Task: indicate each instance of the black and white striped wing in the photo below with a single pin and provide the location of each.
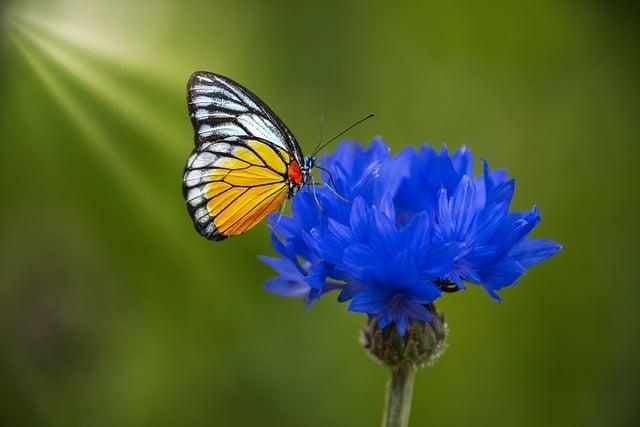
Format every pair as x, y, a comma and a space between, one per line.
220, 108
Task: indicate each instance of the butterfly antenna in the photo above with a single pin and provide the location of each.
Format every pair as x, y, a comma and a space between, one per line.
321, 133
320, 147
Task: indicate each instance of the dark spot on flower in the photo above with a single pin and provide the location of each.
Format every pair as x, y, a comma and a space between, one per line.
446, 285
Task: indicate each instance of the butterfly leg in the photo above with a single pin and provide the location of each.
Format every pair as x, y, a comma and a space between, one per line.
332, 187
313, 193
283, 206
338, 195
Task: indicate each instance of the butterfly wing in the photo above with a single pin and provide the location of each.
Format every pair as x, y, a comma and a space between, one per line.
220, 107
237, 173
232, 184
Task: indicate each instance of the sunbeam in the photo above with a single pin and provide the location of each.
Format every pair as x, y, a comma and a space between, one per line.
144, 116
142, 198
96, 26
97, 139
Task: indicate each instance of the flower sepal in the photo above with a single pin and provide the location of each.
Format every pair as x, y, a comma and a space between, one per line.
421, 345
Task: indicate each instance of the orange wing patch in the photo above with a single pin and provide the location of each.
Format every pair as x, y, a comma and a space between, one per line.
249, 208
230, 186
272, 155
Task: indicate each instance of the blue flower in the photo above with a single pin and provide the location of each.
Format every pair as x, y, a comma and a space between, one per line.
395, 266
387, 232
474, 213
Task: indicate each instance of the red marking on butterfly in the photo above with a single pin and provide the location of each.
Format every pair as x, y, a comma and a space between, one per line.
294, 174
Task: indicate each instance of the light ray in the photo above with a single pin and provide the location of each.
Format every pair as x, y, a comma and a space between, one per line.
122, 170
144, 116
97, 140
76, 23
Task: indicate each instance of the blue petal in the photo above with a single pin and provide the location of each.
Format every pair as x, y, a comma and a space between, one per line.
462, 161
470, 273
449, 176
489, 222
522, 227
377, 148
488, 178
425, 293
285, 226
312, 240
330, 243
463, 207
396, 170
502, 273
402, 270
402, 324
277, 244
385, 320
483, 255
311, 298
413, 310
358, 219
283, 266
492, 292
304, 208
418, 233
428, 165
317, 276
287, 288
370, 300
352, 287
503, 192
387, 208
530, 252
445, 227
384, 236
362, 260
439, 259
340, 233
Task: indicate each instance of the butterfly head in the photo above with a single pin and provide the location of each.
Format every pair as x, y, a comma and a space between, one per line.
299, 175
308, 164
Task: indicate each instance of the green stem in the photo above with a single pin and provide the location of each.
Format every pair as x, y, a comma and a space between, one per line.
399, 393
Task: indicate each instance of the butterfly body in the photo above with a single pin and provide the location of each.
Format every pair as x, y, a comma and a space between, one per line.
245, 163
299, 175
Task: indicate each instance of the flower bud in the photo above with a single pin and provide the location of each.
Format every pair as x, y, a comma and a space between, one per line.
422, 344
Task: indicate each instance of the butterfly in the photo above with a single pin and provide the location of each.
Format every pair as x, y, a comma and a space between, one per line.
245, 163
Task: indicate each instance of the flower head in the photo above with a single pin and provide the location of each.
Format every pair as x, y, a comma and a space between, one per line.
474, 213
388, 231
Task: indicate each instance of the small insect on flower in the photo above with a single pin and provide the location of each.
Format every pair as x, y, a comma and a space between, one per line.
245, 163
446, 285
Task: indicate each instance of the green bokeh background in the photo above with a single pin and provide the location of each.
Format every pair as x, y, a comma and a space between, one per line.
113, 311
